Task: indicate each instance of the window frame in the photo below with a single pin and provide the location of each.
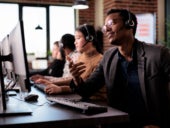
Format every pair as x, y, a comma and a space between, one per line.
47, 6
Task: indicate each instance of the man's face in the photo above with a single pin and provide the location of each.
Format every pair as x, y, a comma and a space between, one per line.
114, 29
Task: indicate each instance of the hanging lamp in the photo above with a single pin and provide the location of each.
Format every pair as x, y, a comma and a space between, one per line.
80, 4
38, 27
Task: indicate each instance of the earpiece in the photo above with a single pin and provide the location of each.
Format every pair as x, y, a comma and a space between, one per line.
129, 23
89, 38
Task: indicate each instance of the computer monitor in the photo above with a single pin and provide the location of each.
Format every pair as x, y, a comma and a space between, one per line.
20, 68
3, 67
7, 66
19, 57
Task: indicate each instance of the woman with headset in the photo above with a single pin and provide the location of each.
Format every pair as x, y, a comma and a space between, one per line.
89, 44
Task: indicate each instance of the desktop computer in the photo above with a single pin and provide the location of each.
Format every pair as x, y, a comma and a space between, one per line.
13, 51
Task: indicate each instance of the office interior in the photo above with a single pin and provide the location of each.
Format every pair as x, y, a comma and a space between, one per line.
157, 10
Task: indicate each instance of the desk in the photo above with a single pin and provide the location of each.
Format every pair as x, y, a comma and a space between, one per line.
46, 115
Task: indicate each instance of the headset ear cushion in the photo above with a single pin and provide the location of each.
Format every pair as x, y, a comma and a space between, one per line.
129, 24
89, 38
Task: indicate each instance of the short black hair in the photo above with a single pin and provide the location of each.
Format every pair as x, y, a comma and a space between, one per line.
68, 41
126, 15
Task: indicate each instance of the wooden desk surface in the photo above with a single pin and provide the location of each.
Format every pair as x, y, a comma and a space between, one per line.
47, 115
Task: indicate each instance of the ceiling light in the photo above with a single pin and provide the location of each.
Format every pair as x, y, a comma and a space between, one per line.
80, 4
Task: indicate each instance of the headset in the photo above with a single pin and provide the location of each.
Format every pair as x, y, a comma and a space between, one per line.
129, 23
89, 38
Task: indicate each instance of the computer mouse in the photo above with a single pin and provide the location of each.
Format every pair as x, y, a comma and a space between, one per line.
31, 97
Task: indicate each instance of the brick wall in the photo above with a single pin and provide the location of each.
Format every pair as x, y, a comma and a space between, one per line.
135, 6
87, 15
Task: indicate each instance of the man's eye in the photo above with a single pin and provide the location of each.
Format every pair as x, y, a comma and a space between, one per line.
114, 22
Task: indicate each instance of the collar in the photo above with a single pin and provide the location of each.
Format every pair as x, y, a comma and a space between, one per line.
133, 54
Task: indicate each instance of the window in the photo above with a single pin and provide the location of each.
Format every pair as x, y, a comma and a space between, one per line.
9, 18
35, 38
61, 22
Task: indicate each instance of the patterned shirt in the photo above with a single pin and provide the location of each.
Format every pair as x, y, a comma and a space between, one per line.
74, 56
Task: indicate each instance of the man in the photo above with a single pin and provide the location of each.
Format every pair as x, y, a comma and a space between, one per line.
136, 74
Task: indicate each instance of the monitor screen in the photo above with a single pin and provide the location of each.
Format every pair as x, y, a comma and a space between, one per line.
19, 58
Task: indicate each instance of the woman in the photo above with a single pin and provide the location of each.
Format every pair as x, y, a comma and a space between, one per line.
56, 67
87, 44
67, 43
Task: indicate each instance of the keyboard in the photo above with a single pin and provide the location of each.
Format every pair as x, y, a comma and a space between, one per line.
83, 107
40, 87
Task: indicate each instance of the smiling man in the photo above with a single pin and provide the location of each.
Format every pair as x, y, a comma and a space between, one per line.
136, 74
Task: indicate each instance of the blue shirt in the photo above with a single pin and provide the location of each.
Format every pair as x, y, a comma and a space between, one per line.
133, 99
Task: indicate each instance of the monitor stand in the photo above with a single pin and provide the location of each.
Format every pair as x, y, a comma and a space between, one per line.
8, 105
15, 107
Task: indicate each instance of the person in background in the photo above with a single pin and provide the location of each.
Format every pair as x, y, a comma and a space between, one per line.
67, 42
57, 65
86, 42
136, 74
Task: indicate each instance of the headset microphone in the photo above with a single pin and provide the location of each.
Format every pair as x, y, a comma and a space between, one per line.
89, 37
84, 44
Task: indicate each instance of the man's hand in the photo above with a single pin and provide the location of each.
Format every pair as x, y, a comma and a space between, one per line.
76, 70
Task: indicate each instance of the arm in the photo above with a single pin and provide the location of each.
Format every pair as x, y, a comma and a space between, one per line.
165, 64
165, 67
59, 80
91, 85
55, 89
56, 68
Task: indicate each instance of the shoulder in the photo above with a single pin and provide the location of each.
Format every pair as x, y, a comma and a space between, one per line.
98, 58
151, 49
99, 55
75, 53
110, 51
74, 56
153, 53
